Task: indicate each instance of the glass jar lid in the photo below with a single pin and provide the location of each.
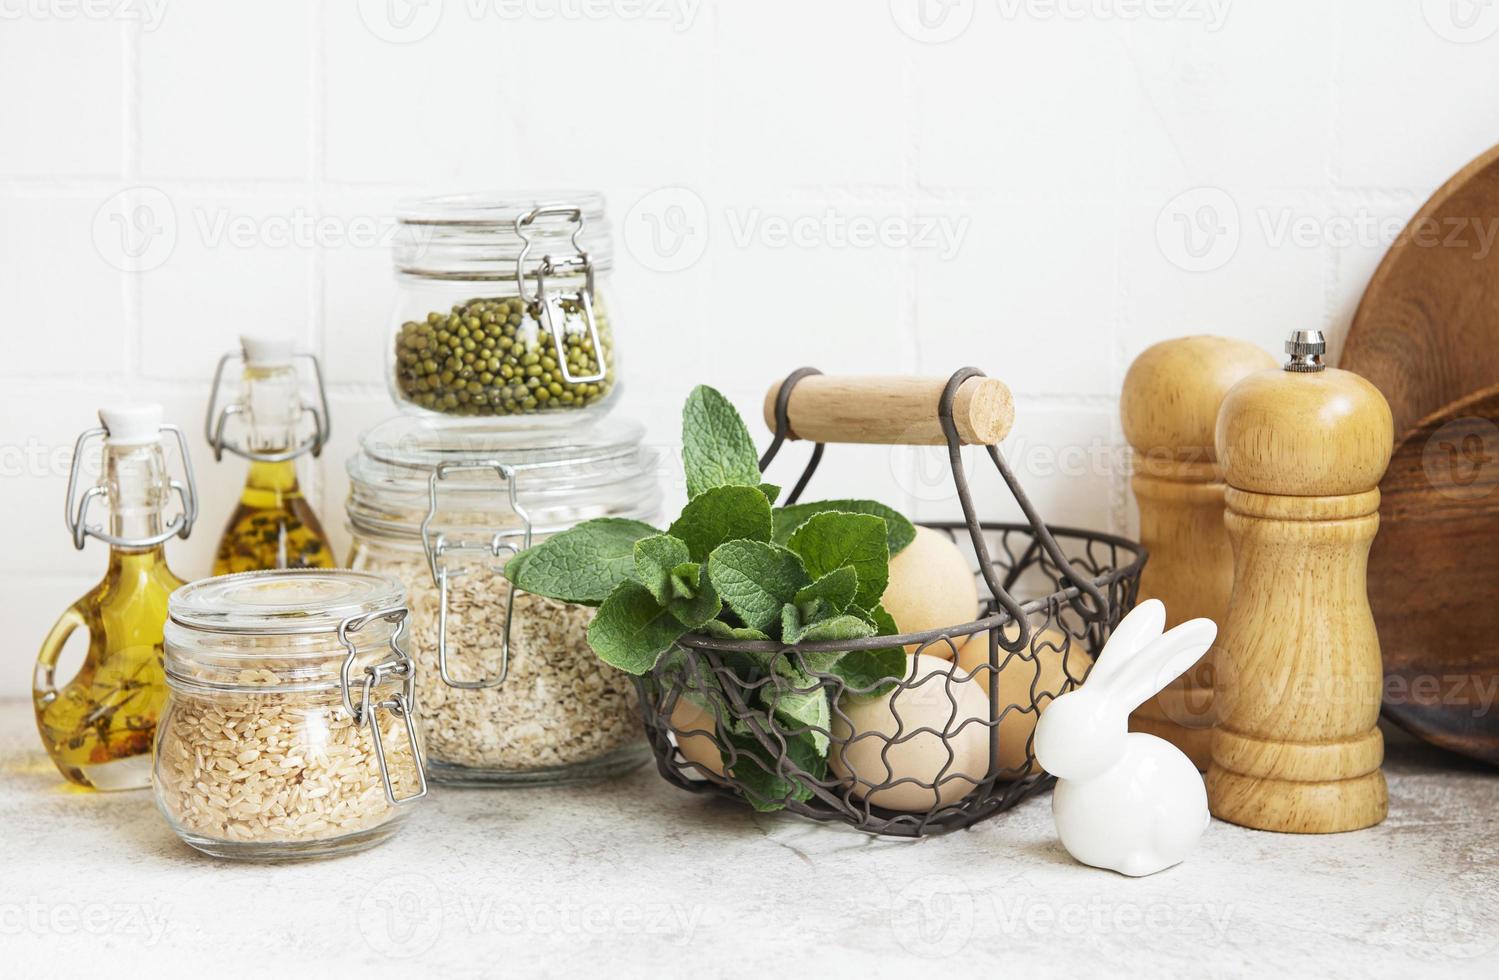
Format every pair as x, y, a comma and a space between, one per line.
478, 236
289, 629
561, 477
285, 602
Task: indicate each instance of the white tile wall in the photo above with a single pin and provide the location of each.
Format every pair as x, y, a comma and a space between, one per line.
1109, 174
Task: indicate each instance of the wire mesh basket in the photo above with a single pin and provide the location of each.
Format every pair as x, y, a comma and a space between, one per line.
945, 746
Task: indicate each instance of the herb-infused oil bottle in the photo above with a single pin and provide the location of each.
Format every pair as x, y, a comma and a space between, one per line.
274, 526
99, 726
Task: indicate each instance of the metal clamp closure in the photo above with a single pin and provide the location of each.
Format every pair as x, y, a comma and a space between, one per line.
77, 520
217, 420
402, 703
553, 303
439, 546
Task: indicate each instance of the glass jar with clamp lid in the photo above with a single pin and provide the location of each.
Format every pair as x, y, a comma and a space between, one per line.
501, 311
511, 692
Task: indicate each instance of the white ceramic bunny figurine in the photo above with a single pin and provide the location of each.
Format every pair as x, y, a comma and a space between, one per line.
1126, 801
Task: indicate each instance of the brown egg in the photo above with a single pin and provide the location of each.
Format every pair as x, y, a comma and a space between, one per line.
931, 586
1016, 677
873, 744
694, 729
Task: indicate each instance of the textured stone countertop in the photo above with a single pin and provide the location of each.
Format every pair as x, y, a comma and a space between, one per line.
636, 878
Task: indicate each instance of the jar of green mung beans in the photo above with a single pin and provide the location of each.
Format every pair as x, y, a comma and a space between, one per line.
502, 310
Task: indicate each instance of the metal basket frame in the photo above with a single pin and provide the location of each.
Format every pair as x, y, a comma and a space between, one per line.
1085, 604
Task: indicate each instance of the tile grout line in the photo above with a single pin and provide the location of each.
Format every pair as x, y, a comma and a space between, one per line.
702, 349
47, 188
910, 272
130, 167
1332, 269
1119, 496
316, 329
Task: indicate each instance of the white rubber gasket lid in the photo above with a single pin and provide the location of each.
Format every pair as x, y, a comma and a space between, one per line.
267, 352
131, 425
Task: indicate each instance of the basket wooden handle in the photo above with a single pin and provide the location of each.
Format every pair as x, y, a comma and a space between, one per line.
892, 410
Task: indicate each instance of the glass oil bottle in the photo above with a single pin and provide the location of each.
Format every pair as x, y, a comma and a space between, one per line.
274, 526
98, 728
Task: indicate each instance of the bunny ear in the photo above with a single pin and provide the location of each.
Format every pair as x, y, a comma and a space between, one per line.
1161, 662
1135, 631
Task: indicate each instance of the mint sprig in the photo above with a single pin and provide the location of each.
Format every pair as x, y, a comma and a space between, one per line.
583, 564
835, 539
719, 515
717, 450
632, 630
734, 567
756, 579
899, 532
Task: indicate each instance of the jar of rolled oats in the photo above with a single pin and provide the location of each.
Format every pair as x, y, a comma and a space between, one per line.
290, 727
511, 693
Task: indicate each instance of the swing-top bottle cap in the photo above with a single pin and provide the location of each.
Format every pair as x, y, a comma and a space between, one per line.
131, 425
267, 352
1306, 348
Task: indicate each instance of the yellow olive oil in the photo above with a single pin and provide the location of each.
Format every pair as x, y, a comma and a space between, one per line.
273, 526
99, 726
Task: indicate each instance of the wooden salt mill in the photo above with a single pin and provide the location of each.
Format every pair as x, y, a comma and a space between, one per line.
1298, 674
1169, 406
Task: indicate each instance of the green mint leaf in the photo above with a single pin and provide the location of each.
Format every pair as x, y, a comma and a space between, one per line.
829, 541
723, 631
836, 588
631, 630
821, 626
701, 603
756, 579
685, 579
791, 623
716, 447
874, 671
701, 687
899, 531
747, 666
796, 617
656, 558
801, 703
583, 564
722, 514
766, 785
821, 629
843, 627
771, 491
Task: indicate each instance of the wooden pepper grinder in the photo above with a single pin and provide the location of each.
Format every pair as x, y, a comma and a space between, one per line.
1168, 407
1298, 673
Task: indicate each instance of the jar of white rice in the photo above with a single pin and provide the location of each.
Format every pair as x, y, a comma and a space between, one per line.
511, 693
290, 727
